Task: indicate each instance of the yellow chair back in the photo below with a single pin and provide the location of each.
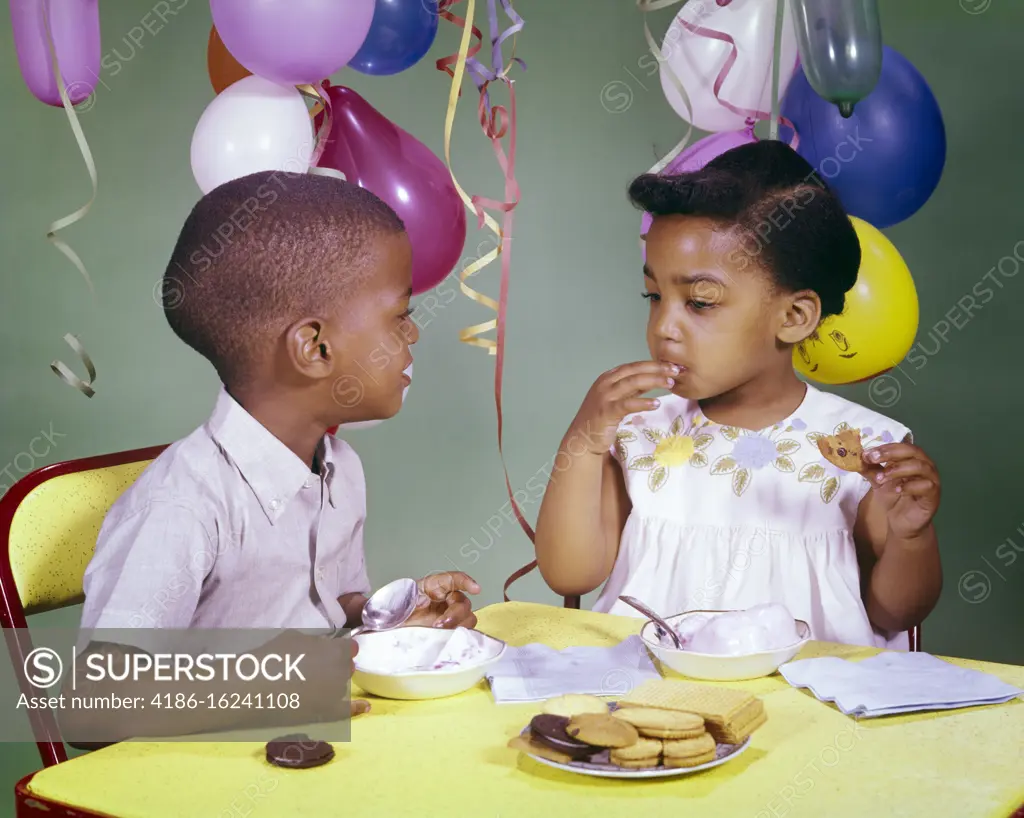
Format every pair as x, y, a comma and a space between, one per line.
53, 533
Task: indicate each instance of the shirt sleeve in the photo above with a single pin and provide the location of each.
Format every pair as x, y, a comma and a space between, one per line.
147, 572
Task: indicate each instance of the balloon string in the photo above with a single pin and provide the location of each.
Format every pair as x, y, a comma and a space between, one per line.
780, 14
60, 369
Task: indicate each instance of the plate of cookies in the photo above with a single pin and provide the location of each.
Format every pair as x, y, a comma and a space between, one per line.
585, 735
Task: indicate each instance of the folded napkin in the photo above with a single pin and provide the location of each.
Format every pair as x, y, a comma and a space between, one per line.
896, 682
537, 672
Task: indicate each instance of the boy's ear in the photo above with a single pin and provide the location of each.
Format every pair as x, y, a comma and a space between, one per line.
308, 347
800, 318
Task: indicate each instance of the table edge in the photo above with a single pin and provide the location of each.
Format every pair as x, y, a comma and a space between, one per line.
27, 804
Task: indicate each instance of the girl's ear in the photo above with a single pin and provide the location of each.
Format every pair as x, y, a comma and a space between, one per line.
800, 318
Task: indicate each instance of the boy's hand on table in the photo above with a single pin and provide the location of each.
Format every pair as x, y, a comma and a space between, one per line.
443, 602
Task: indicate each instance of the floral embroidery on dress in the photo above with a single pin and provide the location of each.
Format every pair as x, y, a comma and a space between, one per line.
829, 475
672, 449
755, 450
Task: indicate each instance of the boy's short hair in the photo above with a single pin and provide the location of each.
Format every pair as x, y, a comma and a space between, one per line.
259, 252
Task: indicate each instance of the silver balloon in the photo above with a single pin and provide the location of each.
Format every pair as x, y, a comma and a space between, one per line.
840, 44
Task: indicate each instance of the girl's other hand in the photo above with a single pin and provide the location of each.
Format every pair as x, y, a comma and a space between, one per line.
907, 482
614, 395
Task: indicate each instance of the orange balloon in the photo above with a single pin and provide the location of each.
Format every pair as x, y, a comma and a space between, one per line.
224, 69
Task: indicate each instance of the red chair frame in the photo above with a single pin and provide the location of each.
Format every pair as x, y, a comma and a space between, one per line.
12, 612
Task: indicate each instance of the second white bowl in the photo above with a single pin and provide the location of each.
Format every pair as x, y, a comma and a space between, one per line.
717, 667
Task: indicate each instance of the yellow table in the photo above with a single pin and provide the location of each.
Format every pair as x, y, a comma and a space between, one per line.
448, 758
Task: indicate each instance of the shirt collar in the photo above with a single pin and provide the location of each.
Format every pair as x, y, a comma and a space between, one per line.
272, 470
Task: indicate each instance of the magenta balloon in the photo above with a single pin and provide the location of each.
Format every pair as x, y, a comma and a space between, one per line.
75, 27
697, 156
293, 42
376, 154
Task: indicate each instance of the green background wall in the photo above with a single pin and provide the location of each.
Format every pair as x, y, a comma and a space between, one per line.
434, 474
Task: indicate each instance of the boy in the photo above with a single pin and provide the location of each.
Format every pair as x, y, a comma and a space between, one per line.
296, 288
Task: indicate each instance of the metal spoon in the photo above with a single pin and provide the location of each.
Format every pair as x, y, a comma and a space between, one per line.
390, 607
633, 602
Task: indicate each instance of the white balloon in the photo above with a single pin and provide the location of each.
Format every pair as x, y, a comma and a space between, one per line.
698, 59
253, 125
369, 424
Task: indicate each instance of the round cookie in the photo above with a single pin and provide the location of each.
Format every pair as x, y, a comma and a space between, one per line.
667, 724
549, 730
692, 761
843, 450
689, 752
602, 730
645, 753
637, 764
298, 752
573, 704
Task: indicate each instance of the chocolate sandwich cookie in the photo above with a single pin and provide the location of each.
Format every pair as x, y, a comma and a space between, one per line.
549, 730
298, 752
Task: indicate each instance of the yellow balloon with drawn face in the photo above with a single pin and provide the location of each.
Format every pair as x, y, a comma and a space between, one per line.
878, 325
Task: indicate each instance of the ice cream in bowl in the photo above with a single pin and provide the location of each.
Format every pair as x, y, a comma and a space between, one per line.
423, 663
728, 645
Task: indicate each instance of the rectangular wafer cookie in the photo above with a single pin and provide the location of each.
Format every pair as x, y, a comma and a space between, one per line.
728, 714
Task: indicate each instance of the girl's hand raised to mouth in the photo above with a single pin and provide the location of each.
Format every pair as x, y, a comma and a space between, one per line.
614, 395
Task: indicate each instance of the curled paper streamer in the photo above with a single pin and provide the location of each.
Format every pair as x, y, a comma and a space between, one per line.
495, 122
317, 92
445, 63
69, 377
59, 368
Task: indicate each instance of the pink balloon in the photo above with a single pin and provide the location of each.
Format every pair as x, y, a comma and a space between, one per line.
293, 42
697, 156
75, 28
376, 154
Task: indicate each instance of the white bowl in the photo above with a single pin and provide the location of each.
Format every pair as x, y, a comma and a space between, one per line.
717, 667
377, 651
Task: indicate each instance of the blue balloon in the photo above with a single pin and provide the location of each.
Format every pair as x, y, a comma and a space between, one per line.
402, 31
885, 161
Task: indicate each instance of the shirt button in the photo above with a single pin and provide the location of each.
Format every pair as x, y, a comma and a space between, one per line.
275, 504
310, 482
320, 574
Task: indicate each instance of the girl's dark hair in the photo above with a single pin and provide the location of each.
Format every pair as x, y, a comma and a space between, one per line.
790, 222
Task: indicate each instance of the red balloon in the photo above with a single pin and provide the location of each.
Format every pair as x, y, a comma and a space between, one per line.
377, 155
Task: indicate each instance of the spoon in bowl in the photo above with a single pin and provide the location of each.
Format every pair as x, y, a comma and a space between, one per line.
633, 602
390, 607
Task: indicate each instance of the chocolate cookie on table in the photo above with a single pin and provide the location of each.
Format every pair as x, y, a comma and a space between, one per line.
298, 752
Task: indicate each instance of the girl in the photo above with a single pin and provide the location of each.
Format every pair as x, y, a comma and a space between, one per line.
716, 496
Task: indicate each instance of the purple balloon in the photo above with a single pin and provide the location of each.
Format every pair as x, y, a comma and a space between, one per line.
75, 28
376, 154
697, 156
293, 42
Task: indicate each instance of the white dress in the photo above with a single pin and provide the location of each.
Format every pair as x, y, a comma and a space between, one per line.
725, 518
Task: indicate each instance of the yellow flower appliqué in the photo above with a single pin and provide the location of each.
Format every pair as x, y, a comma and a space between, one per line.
672, 449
